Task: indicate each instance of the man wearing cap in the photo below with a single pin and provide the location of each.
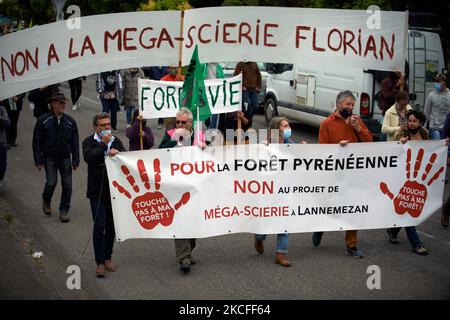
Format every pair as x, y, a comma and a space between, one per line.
437, 106
55, 146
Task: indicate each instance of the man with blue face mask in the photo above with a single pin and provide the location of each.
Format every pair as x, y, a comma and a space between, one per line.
95, 148
437, 106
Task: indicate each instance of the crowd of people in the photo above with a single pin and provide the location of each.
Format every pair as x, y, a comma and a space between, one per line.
56, 142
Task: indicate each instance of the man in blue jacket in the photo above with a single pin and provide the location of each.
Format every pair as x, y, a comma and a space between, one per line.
55, 146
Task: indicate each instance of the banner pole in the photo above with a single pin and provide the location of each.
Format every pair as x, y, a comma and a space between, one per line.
198, 125
140, 134
180, 49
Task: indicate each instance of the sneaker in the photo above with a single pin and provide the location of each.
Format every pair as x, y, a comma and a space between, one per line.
420, 250
185, 265
64, 216
78, 104
74, 107
391, 237
115, 130
317, 238
159, 126
46, 207
355, 252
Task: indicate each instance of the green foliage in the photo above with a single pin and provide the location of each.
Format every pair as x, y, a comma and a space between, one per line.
160, 5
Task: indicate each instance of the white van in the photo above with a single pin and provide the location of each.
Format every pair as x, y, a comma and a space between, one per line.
308, 94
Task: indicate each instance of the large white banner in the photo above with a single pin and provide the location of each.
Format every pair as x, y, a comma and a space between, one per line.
64, 50
191, 193
161, 99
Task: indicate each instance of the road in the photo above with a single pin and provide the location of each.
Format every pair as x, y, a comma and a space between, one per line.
228, 266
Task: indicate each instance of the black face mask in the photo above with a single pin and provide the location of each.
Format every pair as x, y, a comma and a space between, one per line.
414, 131
345, 113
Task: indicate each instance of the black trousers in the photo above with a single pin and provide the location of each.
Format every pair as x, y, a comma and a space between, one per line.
75, 89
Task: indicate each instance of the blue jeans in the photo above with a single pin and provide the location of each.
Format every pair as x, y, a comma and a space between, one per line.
3, 158
111, 105
282, 241
104, 232
412, 235
64, 166
129, 113
251, 97
436, 134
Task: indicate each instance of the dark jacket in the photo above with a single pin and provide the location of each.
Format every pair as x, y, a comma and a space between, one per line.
40, 99
18, 104
135, 140
56, 141
94, 155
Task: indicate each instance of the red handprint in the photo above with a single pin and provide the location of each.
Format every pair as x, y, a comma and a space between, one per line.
153, 207
412, 196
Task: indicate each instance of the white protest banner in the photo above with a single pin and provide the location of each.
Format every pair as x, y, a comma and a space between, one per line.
54, 52
160, 99
189, 193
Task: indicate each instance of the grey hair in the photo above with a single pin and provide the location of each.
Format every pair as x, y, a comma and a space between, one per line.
344, 95
185, 111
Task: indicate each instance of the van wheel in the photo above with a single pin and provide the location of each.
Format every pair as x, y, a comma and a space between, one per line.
270, 109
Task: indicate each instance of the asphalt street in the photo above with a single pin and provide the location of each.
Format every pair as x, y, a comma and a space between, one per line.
228, 266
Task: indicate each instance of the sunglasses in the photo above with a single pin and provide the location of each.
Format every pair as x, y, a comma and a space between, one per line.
181, 122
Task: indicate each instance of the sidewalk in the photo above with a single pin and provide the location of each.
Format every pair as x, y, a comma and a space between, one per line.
21, 276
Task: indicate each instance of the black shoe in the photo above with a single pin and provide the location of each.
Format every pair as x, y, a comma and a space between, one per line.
14, 144
46, 207
391, 237
317, 238
185, 265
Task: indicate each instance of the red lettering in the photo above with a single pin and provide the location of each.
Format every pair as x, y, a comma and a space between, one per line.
151, 40
329, 40
371, 46
316, 48
118, 35
21, 72
348, 43
385, 44
298, 36
165, 36
269, 35
190, 38
226, 33
71, 54
35, 62
200, 38
126, 39
52, 54
87, 44
9, 65
243, 34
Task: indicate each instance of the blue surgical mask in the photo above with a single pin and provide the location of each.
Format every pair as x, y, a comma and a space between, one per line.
437, 86
105, 132
287, 133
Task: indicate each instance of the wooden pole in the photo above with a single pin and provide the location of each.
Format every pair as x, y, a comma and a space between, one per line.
140, 134
180, 49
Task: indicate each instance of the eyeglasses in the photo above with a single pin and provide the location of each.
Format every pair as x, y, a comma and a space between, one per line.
181, 122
